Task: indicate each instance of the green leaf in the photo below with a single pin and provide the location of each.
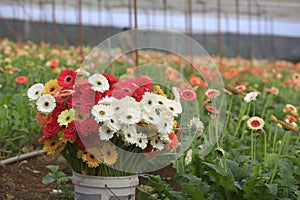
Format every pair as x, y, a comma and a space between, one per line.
257, 170
237, 172
193, 191
272, 188
295, 160
53, 168
217, 168
270, 157
190, 179
178, 195
48, 179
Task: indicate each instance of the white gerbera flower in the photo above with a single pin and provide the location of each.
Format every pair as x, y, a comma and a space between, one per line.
196, 126
102, 112
173, 107
151, 117
141, 140
176, 94
165, 138
105, 133
113, 123
107, 101
129, 111
46, 103
166, 123
148, 101
35, 91
99, 82
251, 96
130, 134
157, 143
188, 157
160, 100
65, 117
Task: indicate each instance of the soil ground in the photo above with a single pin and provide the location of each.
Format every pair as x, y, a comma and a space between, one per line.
23, 180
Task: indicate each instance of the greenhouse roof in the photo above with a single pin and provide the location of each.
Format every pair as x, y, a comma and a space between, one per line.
288, 10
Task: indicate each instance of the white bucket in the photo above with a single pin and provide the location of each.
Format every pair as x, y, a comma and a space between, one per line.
104, 188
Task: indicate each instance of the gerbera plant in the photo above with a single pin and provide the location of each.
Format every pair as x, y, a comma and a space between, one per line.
100, 123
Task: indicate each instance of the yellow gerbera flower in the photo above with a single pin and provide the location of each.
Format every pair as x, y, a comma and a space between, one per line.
92, 160
52, 87
81, 115
109, 154
80, 153
53, 145
65, 117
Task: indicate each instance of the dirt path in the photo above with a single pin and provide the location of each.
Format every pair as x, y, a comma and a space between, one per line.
23, 180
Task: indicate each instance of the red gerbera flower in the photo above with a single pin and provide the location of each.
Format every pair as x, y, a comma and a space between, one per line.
57, 110
43, 119
173, 142
138, 94
188, 95
66, 78
143, 82
111, 79
210, 93
79, 143
87, 127
212, 109
51, 128
70, 131
21, 79
255, 123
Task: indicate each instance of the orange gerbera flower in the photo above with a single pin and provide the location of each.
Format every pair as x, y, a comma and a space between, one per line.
21, 79
52, 87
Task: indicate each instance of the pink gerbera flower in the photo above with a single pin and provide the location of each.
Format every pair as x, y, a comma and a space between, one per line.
255, 123
66, 78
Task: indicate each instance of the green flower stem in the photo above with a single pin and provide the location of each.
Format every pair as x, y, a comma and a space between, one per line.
286, 144
226, 121
278, 157
265, 149
244, 126
270, 135
252, 146
242, 112
253, 109
298, 138
266, 104
274, 139
254, 150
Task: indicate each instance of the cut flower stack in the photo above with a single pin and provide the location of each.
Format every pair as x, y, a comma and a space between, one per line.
91, 118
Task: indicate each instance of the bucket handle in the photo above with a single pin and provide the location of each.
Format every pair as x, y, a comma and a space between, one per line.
129, 196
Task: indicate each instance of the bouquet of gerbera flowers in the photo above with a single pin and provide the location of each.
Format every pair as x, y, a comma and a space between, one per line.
102, 125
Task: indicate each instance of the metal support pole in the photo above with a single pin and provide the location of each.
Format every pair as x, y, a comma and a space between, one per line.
219, 32
53, 23
259, 46
272, 37
41, 24
204, 25
190, 11
266, 38
237, 10
10, 28
165, 13
99, 20
80, 32
130, 14
250, 54
136, 34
